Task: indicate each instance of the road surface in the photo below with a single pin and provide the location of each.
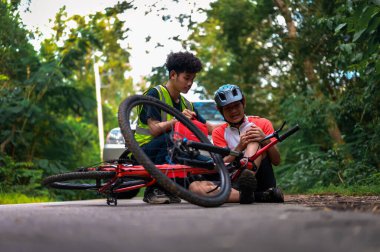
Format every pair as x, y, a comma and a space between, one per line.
136, 226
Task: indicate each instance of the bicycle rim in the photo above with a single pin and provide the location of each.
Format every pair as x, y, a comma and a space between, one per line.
127, 109
82, 180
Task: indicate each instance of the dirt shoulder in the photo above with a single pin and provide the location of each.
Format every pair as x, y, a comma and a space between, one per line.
370, 204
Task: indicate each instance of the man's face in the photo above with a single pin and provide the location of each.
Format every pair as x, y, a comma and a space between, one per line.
234, 112
183, 81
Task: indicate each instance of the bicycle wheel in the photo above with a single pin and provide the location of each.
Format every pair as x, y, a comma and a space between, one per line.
75, 180
128, 110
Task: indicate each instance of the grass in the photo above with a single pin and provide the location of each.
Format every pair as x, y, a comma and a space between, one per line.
19, 198
343, 190
141, 193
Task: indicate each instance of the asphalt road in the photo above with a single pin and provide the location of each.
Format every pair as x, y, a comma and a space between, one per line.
136, 226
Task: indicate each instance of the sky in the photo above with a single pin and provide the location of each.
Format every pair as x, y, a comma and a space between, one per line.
42, 14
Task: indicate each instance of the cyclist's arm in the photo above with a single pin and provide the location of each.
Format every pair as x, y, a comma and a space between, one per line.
274, 155
157, 128
272, 152
229, 158
242, 145
211, 127
259, 133
218, 140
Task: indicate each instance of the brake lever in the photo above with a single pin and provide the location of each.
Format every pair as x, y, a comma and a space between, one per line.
267, 137
274, 134
282, 126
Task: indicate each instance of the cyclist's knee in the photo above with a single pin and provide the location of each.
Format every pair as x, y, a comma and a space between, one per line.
201, 187
196, 186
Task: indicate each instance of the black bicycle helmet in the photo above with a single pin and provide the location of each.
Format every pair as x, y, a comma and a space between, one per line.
226, 94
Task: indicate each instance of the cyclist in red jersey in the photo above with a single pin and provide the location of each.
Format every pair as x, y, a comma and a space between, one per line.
244, 133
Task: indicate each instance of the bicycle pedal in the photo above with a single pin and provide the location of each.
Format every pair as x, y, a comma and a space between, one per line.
111, 201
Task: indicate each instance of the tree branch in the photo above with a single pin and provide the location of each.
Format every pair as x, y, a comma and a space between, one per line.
284, 10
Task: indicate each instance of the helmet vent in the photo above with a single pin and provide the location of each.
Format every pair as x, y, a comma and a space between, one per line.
222, 97
234, 92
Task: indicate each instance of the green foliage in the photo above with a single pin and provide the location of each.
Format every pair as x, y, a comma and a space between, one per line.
48, 118
230, 44
93, 38
354, 104
20, 177
325, 77
19, 198
347, 190
15, 51
159, 76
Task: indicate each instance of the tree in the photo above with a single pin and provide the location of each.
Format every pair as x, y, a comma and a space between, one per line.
96, 37
294, 60
47, 107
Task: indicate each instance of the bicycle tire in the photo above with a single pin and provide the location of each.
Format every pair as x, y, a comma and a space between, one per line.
124, 118
67, 180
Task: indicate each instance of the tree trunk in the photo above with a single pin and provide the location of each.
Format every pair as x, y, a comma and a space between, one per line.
284, 10
332, 125
308, 65
4, 144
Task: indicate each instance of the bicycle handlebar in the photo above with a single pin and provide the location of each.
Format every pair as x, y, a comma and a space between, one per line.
211, 148
289, 133
226, 151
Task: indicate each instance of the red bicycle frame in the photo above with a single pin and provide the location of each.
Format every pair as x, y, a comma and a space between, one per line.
174, 171
178, 171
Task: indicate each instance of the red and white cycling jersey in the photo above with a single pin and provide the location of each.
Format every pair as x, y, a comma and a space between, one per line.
227, 136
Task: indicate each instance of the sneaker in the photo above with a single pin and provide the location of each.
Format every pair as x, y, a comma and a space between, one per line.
247, 185
154, 195
272, 195
174, 199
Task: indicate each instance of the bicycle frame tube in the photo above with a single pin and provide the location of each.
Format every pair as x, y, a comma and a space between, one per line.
275, 141
262, 150
173, 171
128, 188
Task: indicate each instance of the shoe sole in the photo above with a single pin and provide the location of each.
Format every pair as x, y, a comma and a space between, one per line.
247, 185
175, 201
157, 201
278, 195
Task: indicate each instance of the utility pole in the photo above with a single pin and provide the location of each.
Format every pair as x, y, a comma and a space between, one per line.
99, 105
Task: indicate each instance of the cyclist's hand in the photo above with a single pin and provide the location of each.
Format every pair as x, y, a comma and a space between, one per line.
189, 114
255, 134
245, 138
244, 141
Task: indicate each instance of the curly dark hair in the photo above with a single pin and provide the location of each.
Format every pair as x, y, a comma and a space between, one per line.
183, 62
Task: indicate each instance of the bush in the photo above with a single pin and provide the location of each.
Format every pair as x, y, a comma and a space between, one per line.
20, 177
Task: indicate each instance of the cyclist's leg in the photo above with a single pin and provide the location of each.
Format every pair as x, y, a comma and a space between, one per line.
251, 150
206, 188
157, 149
265, 175
267, 189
